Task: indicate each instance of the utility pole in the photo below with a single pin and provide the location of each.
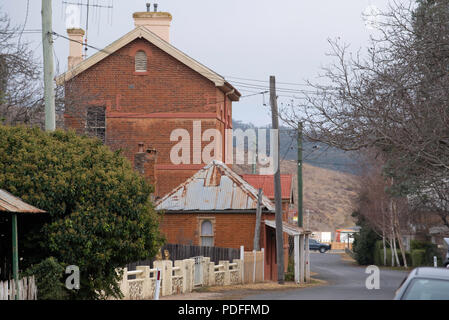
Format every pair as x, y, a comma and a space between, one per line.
258, 220
300, 184
47, 43
277, 185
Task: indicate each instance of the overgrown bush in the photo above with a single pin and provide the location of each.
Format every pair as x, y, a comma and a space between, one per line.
99, 215
418, 257
49, 279
430, 249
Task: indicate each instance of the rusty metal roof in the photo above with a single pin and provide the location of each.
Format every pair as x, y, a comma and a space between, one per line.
213, 188
9, 203
266, 182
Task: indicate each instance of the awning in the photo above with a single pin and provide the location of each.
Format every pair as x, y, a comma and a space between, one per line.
288, 228
9, 203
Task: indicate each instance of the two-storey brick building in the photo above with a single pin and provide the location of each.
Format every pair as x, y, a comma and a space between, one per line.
138, 90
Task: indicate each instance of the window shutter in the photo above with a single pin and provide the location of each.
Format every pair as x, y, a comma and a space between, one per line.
141, 61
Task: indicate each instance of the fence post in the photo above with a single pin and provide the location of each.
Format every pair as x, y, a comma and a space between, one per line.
307, 259
147, 289
227, 274
263, 264
182, 266
296, 257
205, 266
189, 263
124, 286
254, 266
166, 276
242, 257
211, 273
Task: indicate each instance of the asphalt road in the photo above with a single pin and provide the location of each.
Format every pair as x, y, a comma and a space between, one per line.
345, 282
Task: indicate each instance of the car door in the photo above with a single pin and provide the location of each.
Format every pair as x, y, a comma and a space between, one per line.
313, 244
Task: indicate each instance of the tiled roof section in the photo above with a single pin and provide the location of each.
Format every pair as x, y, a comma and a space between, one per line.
266, 182
213, 188
9, 203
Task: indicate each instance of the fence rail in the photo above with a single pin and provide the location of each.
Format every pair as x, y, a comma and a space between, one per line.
27, 289
181, 252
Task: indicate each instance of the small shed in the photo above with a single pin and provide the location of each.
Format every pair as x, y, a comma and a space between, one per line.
14, 206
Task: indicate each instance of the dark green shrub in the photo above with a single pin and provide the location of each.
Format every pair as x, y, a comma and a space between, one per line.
431, 250
99, 213
49, 279
364, 246
418, 257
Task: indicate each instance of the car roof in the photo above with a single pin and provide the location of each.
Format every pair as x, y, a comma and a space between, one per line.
440, 273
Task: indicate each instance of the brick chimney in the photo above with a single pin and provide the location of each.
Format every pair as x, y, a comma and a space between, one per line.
75, 47
144, 163
156, 22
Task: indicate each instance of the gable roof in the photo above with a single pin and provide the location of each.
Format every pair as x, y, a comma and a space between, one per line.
9, 203
213, 188
144, 33
266, 182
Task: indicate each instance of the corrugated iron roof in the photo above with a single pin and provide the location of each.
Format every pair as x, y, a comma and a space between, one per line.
215, 187
266, 182
288, 228
9, 203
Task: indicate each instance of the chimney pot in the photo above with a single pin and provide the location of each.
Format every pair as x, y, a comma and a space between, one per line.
156, 22
155, 7
75, 47
148, 7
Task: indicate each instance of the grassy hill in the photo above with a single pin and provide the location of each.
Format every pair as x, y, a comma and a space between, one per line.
316, 154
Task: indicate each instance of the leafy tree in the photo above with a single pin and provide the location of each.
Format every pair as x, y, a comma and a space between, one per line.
99, 212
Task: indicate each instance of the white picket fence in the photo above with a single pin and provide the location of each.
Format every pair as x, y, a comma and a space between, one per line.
27, 289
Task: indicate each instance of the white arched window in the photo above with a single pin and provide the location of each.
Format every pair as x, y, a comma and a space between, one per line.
141, 61
207, 234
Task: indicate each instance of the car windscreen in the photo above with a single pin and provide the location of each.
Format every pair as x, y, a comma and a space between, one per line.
427, 289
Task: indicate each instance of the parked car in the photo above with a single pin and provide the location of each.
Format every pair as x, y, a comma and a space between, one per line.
314, 245
425, 284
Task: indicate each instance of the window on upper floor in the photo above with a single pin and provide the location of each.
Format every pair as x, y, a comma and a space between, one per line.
96, 122
141, 61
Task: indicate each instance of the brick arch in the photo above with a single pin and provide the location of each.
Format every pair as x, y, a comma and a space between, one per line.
140, 46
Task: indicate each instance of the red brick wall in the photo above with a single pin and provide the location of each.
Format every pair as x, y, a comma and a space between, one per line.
146, 108
231, 230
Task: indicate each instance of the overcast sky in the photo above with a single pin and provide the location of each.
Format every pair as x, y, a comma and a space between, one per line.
244, 39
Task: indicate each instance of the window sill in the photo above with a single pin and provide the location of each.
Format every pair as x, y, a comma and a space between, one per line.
141, 73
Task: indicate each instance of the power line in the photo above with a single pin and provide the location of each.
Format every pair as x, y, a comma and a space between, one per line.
80, 42
266, 81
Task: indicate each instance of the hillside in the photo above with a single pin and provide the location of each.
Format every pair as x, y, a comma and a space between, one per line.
314, 153
329, 195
